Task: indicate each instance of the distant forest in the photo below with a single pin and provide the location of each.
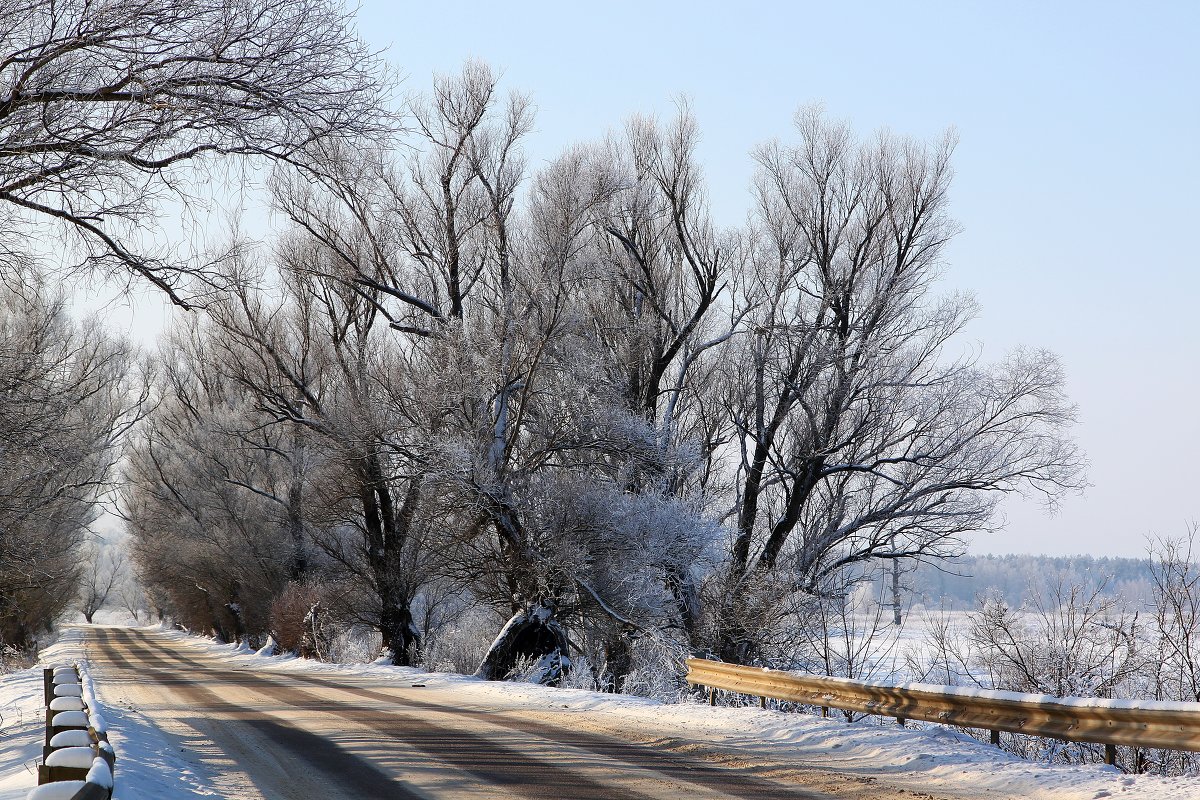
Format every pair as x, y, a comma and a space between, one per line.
958, 584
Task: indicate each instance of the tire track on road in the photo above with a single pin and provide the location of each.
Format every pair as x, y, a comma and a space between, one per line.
711, 779
496, 764
356, 775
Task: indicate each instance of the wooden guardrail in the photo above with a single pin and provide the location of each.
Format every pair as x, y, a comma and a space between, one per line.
77, 760
1164, 725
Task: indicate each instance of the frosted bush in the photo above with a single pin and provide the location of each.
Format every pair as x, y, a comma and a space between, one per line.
460, 647
354, 646
581, 675
658, 667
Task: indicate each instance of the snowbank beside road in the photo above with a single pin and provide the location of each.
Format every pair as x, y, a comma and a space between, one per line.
23, 717
148, 767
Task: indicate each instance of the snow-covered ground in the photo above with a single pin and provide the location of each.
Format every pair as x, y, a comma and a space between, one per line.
940, 761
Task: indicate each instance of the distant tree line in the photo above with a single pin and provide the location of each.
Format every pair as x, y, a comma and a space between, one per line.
960, 582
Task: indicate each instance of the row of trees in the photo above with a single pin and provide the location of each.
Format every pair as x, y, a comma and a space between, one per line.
571, 400
111, 112
68, 393
561, 402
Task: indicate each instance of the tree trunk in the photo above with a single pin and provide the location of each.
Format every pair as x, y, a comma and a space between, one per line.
896, 617
387, 534
687, 600
531, 633
618, 662
398, 631
298, 560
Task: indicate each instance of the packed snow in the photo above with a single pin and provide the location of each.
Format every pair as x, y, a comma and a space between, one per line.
938, 760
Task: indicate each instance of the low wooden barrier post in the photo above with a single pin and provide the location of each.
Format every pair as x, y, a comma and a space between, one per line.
76, 751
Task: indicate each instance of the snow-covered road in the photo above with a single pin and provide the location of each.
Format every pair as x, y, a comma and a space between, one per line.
191, 718
257, 733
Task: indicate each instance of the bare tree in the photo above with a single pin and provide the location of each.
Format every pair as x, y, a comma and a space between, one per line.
419, 234
132, 597
68, 394
105, 105
860, 437
315, 362
663, 272
1176, 579
105, 571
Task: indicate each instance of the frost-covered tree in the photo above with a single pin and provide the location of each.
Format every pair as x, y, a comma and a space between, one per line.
109, 107
862, 436
103, 570
68, 393
316, 360
662, 316
208, 495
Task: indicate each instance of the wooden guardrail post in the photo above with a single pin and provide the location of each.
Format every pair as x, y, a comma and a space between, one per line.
77, 747
995, 737
1110, 754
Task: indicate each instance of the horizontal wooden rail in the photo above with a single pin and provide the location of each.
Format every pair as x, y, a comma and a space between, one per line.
1169, 726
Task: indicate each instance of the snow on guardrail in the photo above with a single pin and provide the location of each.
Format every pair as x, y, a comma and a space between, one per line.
1166, 725
77, 759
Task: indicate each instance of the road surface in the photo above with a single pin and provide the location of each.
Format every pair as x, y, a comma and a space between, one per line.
276, 735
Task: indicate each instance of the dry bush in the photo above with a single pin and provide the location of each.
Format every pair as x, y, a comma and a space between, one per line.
296, 619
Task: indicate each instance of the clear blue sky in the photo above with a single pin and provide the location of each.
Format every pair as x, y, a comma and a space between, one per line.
1077, 176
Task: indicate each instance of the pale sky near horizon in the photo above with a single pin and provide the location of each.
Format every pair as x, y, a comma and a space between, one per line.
1076, 177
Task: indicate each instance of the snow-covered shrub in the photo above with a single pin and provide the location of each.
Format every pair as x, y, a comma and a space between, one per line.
1071, 641
657, 670
289, 617
460, 647
13, 659
581, 675
546, 670
357, 644
1075, 642
939, 655
310, 619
